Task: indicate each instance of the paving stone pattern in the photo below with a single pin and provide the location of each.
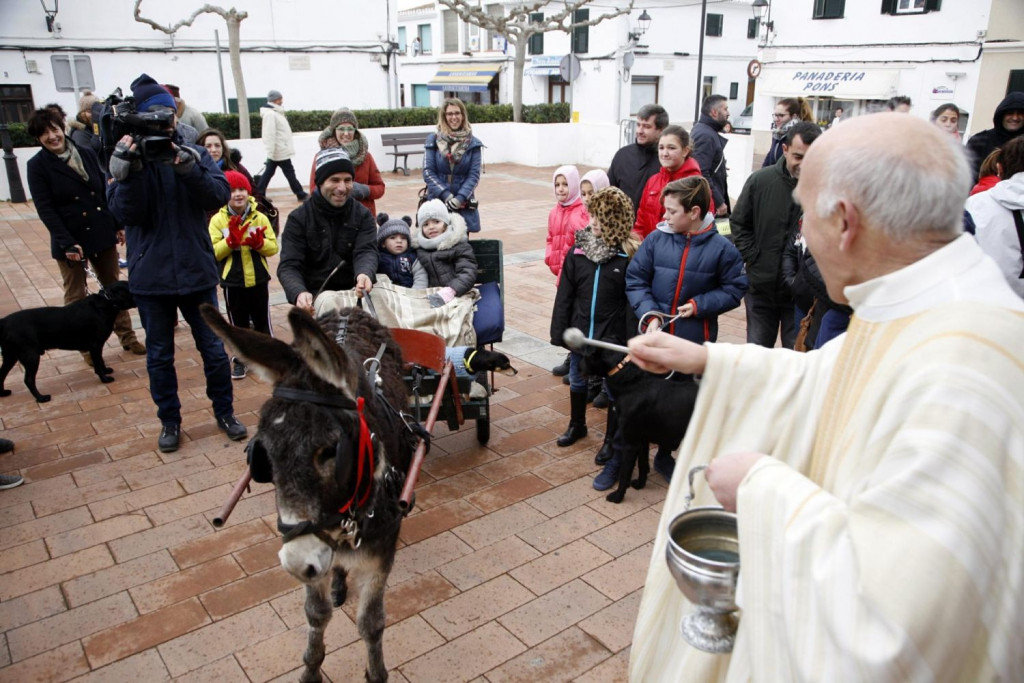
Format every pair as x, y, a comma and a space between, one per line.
511, 568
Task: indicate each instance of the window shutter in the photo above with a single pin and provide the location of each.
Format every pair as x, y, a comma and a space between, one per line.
1015, 83
753, 27
713, 27
581, 34
889, 6
536, 44
932, 5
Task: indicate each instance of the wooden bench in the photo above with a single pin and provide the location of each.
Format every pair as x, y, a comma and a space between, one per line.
402, 145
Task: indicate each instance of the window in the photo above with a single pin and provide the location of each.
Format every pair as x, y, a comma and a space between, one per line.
709, 87
62, 66
16, 101
734, 91
423, 33
557, 90
829, 9
1015, 83
713, 27
494, 40
401, 39
420, 96
753, 27
581, 34
910, 6
643, 90
451, 31
536, 45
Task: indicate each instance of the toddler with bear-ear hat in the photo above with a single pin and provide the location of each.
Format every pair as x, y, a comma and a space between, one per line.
397, 260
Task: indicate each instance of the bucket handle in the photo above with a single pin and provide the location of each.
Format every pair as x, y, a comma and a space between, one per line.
691, 495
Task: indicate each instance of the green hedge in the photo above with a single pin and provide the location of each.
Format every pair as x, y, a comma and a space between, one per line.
302, 121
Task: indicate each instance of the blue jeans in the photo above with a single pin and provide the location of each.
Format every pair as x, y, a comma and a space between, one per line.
159, 315
577, 380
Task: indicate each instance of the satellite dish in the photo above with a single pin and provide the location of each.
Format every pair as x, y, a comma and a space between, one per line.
569, 68
627, 61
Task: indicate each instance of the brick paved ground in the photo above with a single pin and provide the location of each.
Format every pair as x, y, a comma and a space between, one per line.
511, 568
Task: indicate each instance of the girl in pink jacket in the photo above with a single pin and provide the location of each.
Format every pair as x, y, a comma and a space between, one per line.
568, 216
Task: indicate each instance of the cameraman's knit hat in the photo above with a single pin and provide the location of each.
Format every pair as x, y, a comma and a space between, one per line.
434, 208
148, 93
613, 209
392, 226
274, 95
330, 161
237, 180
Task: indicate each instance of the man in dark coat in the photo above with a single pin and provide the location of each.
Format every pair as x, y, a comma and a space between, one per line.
709, 149
171, 266
635, 163
765, 215
330, 242
68, 188
1007, 123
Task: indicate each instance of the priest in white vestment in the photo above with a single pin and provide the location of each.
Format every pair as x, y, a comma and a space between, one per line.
878, 482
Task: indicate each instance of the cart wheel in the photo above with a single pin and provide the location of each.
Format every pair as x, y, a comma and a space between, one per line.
483, 429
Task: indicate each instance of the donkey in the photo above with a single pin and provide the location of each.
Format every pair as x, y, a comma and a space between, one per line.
337, 450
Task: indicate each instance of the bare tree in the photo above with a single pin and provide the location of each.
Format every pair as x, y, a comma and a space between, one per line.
517, 27
233, 18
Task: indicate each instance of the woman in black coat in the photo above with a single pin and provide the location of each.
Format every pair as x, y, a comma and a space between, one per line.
68, 189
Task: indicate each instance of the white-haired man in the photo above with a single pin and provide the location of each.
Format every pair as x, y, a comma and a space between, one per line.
877, 482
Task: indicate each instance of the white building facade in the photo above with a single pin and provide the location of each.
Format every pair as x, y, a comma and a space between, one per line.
321, 54
856, 55
619, 72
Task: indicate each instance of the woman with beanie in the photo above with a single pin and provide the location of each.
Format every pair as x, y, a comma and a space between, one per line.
452, 162
343, 131
592, 293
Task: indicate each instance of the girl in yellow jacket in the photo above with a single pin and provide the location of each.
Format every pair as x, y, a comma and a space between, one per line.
242, 241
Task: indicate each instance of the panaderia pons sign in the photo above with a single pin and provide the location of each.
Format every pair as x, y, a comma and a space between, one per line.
848, 84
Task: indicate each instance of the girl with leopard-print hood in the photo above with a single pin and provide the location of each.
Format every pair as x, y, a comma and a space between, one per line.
343, 131
592, 292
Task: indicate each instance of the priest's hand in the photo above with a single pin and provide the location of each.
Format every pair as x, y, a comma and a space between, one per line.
661, 352
725, 473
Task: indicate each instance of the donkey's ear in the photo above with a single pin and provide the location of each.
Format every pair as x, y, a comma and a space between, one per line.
268, 357
321, 354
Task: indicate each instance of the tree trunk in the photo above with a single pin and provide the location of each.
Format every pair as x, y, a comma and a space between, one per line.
234, 50
517, 79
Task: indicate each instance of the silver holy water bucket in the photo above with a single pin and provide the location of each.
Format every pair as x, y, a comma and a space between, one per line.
703, 555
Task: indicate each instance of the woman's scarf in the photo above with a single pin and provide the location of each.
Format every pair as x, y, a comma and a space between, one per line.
593, 247
356, 149
781, 133
73, 159
453, 143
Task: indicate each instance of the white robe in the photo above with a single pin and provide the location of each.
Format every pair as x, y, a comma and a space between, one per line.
884, 540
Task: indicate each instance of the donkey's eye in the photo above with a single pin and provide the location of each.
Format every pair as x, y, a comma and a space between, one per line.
323, 456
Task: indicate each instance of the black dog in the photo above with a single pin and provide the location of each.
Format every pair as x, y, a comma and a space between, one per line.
652, 409
82, 326
477, 360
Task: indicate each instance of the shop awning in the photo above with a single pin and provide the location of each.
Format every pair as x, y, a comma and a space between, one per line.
464, 77
543, 65
829, 81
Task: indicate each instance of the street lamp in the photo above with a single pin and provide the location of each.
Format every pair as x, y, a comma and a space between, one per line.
643, 23
762, 10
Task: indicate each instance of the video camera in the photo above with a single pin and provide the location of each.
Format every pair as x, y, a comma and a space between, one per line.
118, 116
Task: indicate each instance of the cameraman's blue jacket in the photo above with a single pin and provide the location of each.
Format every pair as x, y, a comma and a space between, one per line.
169, 247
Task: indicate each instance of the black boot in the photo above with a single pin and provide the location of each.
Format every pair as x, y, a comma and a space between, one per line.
594, 387
605, 454
577, 419
563, 369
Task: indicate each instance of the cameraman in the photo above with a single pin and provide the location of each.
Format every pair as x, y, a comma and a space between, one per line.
163, 203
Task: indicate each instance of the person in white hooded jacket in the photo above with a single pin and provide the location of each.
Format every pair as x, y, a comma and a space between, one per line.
277, 138
997, 229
